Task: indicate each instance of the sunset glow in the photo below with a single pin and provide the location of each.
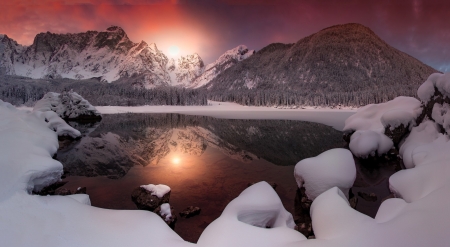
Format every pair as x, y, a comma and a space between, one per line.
173, 51
209, 28
176, 160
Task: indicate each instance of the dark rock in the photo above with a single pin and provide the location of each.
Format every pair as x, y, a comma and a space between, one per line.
304, 228
396, 134
146, 201
63, 192
372, 197
353, 202
190, 212
273, 184
81, 190
50, 190
171, 220
302, 216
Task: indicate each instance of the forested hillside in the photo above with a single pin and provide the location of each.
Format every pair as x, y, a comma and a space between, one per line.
344, 64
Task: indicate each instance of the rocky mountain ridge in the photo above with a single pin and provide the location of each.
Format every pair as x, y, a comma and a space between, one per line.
107, 55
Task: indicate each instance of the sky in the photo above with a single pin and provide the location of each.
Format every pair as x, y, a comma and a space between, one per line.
420, 28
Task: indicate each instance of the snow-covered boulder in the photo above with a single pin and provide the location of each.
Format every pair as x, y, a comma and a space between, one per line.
377, 123
255, 218
332, 168
149, 197
68, 105
435, 96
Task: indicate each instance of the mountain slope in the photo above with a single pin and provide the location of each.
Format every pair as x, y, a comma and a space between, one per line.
225, 61
330, 67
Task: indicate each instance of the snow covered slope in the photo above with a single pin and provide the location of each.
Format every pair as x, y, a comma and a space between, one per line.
185, 69
108, 55
226, 60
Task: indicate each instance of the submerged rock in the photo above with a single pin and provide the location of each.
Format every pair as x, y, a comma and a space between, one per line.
190, 211
372, 197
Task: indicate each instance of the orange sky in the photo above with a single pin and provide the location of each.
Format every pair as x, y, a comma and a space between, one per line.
210, 27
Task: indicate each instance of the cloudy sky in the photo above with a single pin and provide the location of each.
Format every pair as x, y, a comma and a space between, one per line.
420, 28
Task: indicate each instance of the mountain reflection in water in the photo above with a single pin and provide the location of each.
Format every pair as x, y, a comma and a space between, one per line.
206, 161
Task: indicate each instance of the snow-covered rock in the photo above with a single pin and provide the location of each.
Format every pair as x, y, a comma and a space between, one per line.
331, 168
436, 83
68, 105
371, 123
158, 190
150, 197
246, 219
167, 213
226, 60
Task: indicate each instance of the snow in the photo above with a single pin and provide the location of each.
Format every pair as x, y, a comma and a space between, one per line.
438, 81
365, 143
331, 117
225, 61
377, 116
246, 219
441, 115
166, 212
26, 149
67, 105
370, 121
331, 168
423, 134
157, 190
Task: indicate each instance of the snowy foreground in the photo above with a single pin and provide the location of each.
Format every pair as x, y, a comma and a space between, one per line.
420, 216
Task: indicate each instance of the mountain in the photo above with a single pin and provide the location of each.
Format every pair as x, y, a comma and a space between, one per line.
107, 56
185, 69
225, 61
344, 64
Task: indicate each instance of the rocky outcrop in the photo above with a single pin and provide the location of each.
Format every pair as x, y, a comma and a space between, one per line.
69, 106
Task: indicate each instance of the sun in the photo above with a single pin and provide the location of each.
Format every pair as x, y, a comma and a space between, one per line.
176, 160
173, 51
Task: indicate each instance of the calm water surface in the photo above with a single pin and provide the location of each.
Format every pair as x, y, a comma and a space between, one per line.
207, 162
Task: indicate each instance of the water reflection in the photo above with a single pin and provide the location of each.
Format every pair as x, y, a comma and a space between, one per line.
122, 141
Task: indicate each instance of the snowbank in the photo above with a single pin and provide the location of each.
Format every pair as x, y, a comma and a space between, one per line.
157, 190
369, 124
436, 81
334, 167
255, 218
26, 149
365, 143
68, 105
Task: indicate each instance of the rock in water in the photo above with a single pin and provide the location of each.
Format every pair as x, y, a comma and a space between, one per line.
147, 199
190, 212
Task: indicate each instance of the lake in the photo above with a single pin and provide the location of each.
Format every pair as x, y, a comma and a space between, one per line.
206, 161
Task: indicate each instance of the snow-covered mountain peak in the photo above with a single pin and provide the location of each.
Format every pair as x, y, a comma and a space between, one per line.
185, 69
109, 55
226, 60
